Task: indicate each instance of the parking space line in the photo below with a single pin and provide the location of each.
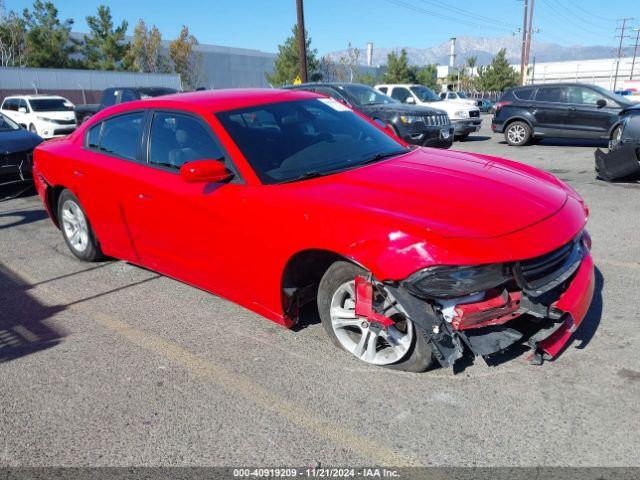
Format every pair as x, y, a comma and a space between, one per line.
232, 382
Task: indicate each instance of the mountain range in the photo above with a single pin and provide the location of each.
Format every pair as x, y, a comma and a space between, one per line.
484, 48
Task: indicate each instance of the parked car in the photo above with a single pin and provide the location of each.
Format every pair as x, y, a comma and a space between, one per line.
418, 125
464, 118
117, 95
569, 110
630, 94
276, 198
459, 97
623, 157
16, 152
486, 105
45, 115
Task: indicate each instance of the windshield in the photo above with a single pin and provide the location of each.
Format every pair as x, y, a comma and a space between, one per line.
7, 124
149, 92
618, 98
50, 104
363, 95
425, 94
295, 140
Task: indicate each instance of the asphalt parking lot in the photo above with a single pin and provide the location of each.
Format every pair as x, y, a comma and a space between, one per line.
110, 364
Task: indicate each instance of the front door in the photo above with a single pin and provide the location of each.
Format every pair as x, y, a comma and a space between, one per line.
178, 228
586, 119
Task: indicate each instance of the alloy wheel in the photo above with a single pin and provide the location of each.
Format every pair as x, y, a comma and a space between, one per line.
516, 134
368, 343
75, 226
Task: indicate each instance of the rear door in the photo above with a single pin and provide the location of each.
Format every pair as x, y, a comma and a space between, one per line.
550, 110
102, 170
585, 118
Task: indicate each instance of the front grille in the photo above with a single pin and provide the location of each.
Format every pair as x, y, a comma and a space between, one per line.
15, 166
436, 120
63, 131
64, 122
543, 273
474, 113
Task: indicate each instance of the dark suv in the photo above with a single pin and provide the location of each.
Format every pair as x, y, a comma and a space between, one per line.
570, 110
418, 125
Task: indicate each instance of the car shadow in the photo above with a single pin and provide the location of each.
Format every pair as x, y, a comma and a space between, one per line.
21, 217
23, 327
475, 138
564, 142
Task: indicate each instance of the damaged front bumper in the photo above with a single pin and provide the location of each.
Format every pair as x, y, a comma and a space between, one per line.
540, 307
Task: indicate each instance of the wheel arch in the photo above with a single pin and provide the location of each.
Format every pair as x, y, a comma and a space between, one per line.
301, 277
613, 127
52, 195
518, 118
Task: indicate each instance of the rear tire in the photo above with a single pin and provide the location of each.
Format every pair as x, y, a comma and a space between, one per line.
413, 349
76, 229
518, 133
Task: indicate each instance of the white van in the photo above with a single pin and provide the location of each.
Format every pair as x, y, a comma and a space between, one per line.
45, 115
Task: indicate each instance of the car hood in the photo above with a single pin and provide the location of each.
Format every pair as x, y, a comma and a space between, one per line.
17, 141
390, 109
452, 194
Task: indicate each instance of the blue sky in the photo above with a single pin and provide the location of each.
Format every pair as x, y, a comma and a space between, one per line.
263, 24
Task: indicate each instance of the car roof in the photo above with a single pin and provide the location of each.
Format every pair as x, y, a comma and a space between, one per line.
556, 84
36, 96
219, 100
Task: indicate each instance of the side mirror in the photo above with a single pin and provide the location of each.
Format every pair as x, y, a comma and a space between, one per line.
205, 171
601, 103
410, 100
22, 110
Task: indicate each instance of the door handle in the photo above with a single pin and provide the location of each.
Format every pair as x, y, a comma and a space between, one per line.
573, 109
142, 196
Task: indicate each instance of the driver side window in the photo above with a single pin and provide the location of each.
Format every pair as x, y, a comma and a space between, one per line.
176, 139
400, 93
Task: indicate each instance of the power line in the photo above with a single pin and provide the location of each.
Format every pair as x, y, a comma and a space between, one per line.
577, 14
581, 9
467, 13
624, 24
570, 20
436, 14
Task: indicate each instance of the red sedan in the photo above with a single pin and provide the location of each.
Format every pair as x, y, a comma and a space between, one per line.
274, 199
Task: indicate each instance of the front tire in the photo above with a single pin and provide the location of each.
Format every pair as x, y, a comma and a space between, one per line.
402, 347
33, 129
616, 135
76, 230
518, 134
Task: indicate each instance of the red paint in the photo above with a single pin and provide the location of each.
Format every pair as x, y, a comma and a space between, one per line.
364, 303
204, 171
427, 207
497, 310
575, 302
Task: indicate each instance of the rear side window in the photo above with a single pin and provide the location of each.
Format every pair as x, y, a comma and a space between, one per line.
400, 93
177, 139
524, 93
383, 89
551, 94
93, 137
110, 97
127, 96
120, 136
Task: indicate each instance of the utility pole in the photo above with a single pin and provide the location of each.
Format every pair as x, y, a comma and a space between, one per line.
635, 50
524, 42
529, 33
615, 78
302, 44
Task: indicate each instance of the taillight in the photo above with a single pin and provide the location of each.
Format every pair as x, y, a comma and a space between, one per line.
499, 105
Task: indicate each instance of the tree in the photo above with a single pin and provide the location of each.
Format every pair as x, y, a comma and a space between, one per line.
498, 76
49, 43
398, 69
186, 62
472, 61
287, 65
104, 48
427, 76
13, 40
367, 79
145, 51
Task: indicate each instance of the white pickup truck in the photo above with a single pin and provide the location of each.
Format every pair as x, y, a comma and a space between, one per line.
464, 115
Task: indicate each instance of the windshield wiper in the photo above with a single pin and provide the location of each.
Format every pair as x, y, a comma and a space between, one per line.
381, 156
308, 175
